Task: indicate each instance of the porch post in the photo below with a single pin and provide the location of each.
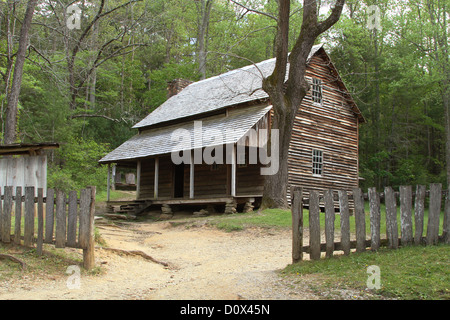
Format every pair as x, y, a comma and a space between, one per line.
233, 171
191, 178
138, 179
108, 183
156, 178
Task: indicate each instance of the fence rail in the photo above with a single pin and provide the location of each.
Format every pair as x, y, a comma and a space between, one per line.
61, 220
406, 197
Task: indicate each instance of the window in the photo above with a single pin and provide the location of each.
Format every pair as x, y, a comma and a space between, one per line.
317, 163
317, 90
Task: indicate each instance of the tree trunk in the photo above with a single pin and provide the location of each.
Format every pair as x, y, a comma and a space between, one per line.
203, 27
13, 96
287, 96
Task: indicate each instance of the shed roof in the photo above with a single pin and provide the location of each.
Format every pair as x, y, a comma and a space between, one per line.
163, 140
228, 89
26, 148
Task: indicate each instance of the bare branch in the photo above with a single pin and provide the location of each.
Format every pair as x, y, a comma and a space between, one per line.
254, 10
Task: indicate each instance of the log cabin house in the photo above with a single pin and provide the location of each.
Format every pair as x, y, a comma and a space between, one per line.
324, 145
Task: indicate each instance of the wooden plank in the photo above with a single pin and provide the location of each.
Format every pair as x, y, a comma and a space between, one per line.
49, 215
18, 216
83, 233
419, 212
40, 213
391, 217
314, 225
329, 222
406, 215
72, 220
88, 252
60, 217
446, 222
7, 209
375, 216
297, 224
1, 214
344, 221
29, 217
433, 213
360, 220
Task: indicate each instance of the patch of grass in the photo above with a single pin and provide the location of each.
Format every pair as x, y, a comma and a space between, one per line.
53, 262
410, 273
266, 219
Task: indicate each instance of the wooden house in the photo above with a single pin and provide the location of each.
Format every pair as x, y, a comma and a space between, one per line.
324, 146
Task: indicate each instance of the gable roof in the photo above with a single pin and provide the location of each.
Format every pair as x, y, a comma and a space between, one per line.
228, 89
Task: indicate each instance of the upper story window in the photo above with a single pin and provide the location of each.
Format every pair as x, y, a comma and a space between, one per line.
317, 90
317, 163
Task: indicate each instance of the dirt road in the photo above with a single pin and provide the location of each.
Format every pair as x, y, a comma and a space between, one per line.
204, 263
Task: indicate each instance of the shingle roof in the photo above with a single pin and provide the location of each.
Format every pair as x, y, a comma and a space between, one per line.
228, 89
161, 140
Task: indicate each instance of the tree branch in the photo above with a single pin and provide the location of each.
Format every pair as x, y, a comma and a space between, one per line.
254, 10
333, 18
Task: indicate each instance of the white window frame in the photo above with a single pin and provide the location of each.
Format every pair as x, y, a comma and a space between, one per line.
317, 157
317, 91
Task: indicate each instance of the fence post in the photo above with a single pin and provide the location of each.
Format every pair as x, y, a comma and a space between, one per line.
329, 222
375, 215
18, 216
61, 223
360, 220
88, 252
446, 227
29, 217
49, 215
345, 221
297, 223
419, 212
314, 225
433, 213
7, 209
40, 235
72, 220
405, 214
391, 217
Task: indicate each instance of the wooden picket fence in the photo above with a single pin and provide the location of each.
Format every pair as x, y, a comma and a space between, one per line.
62, 221
361, 243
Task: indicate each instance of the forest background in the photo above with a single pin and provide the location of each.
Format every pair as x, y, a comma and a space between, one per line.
94, 68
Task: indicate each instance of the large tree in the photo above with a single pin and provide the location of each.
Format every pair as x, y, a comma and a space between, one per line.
13, 95
287, 95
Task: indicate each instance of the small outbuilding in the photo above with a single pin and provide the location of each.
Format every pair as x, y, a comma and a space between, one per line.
24, 165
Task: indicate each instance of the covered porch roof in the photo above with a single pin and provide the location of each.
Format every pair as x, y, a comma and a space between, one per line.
221, 129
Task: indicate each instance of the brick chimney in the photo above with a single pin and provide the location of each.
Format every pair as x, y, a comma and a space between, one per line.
175, 86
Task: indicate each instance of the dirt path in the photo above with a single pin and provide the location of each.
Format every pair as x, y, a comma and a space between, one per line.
204, 263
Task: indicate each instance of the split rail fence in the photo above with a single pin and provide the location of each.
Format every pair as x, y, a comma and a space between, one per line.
62, 221
373, 241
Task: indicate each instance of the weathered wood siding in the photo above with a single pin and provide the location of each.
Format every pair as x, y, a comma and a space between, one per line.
24, 171
331, 127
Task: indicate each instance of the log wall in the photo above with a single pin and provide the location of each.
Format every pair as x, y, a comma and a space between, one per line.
331, 127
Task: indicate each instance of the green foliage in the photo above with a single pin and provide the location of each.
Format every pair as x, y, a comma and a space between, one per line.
78, 166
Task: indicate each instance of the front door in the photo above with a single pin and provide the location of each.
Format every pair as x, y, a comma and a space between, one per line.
178, 181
